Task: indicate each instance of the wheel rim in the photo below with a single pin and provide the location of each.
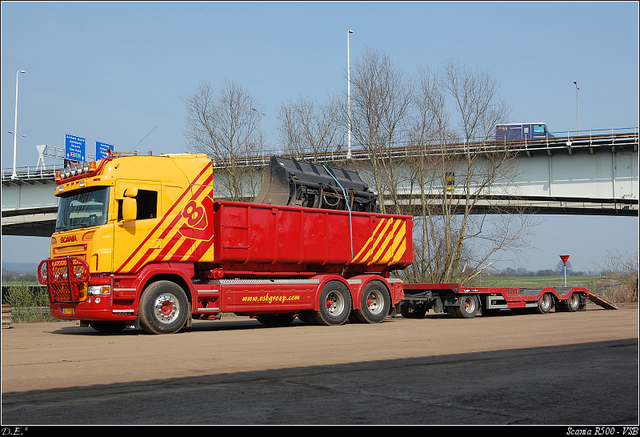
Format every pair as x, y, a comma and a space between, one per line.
166, 308
470, 305
375, 302
335, 303
545, 304
574, 301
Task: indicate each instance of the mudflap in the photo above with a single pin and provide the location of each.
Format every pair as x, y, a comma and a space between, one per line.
599, 300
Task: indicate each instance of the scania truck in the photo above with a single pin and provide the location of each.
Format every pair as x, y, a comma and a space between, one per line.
141, 241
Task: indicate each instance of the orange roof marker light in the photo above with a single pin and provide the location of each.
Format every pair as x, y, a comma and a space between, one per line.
80, 170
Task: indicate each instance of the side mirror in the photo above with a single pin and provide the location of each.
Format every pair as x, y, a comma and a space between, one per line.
129, 209
129, 206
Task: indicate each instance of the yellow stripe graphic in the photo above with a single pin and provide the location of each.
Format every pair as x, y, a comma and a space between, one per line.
398, 240
387, 244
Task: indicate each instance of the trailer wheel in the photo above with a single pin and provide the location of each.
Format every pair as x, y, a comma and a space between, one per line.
544, 304
335, 304
412, 310
467, 308
374, 303
164, 308
573, 303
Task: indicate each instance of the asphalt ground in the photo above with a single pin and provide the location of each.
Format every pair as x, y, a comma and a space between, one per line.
572, 370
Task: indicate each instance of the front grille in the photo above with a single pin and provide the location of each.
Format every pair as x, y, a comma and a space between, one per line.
66, 278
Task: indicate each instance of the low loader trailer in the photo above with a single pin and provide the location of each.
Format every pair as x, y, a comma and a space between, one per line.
141, 242
466, 302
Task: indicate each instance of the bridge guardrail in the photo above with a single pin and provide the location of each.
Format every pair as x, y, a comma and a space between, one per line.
564, 139
27, 172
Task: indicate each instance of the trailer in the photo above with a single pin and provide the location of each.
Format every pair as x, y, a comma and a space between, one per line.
466, 302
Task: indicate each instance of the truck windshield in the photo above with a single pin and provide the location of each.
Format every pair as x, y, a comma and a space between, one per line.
81, 209
540, 128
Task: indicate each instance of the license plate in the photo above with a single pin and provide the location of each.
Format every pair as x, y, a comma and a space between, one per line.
68, 311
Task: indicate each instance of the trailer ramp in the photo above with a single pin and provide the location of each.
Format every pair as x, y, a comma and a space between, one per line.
599, 300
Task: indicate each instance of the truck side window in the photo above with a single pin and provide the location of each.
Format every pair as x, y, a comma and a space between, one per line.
147, 202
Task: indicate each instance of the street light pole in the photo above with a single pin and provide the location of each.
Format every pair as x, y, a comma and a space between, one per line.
577, 106
15, 129
349, 95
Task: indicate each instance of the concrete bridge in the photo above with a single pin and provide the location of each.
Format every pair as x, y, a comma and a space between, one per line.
594, 173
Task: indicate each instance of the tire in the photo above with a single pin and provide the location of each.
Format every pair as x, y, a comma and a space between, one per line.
545, 304
107, 327
374, 303
334, 304
467, 308
573, 303
413, 311
164, 308
275, 321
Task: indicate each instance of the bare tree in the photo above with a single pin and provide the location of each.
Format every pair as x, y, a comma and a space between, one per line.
380, 103
620, 273
451, 171
309, 127
225, 125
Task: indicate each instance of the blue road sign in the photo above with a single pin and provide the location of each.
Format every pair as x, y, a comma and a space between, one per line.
74, 148
102, 150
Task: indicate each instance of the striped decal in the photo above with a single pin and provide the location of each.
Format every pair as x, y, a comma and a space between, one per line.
189, 234
387, 245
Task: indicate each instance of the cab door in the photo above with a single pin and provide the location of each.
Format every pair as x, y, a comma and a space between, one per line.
136, 239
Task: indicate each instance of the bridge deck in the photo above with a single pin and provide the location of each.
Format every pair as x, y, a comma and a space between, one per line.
563, 175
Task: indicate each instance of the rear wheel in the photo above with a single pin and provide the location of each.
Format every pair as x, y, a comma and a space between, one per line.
335, 304
467, 308
573, 303
374, 303
544, 304
164, 308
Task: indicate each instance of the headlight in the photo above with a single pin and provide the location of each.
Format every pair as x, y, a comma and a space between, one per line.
42, 272
79, 272
99, 290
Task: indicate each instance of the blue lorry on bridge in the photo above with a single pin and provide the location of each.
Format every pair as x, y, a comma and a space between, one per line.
522, 131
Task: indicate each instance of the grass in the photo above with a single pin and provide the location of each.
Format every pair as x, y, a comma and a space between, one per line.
614, 290
28, 305
535, 281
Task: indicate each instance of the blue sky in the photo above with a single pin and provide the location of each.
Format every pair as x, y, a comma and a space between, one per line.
113, 72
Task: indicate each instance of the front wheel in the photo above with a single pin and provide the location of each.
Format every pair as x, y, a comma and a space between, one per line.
164, 308
374, 303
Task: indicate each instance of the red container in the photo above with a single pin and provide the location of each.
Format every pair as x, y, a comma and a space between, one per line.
267, 238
